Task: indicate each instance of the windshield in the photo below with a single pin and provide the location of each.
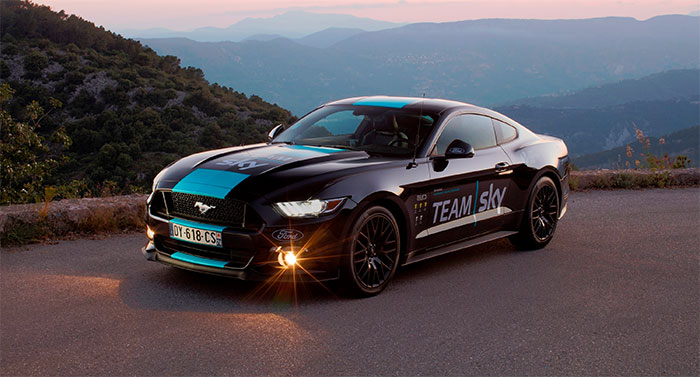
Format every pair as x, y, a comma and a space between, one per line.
372, 129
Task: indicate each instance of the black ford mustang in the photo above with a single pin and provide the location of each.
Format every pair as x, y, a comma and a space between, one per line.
356, 188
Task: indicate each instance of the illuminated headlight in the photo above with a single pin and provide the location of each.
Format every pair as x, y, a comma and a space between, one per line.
308, 208
150, 233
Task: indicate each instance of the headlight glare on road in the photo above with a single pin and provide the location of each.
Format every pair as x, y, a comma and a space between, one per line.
307, 208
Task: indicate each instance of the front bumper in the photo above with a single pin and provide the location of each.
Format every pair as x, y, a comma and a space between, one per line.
253, 255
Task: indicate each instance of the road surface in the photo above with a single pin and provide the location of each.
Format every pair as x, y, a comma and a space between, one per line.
616, 292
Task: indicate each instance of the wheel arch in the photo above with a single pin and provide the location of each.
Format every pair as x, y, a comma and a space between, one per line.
394, 205
550, 172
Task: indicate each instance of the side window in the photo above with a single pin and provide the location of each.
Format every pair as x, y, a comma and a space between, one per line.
504, 132
476, 130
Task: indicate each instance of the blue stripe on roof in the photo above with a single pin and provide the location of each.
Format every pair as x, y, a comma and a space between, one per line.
198, 260
395, 102
193, 224
209, 182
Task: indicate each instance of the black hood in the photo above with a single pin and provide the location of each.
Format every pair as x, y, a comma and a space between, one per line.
260, 169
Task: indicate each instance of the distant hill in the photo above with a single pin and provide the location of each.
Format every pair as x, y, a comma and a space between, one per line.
600, 118
262, 37
328, 37
128, 111
685, 142
591, 130
321, 39
293, 24
670, 85
485, 62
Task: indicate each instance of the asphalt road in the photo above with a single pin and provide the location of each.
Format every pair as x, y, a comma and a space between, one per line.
616, 292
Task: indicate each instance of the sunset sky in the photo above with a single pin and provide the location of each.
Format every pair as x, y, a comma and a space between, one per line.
186, 15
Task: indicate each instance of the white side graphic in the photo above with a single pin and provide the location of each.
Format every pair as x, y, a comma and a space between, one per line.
464, 221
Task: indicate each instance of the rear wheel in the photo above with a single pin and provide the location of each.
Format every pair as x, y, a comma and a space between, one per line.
540, 217
374, 247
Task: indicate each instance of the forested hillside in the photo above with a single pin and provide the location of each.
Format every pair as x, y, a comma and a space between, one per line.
127, 111
685, 142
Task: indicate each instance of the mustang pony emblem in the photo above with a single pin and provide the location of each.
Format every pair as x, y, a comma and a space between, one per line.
203, 208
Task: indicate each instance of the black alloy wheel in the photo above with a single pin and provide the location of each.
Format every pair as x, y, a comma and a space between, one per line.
375, 246
544, 212
540, 218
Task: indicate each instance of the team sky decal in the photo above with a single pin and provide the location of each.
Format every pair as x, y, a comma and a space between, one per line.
457, 207
260, 160
219, 175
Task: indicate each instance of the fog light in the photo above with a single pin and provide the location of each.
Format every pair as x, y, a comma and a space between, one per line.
149, 233
290, 259
287, 258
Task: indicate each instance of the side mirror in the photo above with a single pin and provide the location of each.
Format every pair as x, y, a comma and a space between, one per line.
275, 131
459, 149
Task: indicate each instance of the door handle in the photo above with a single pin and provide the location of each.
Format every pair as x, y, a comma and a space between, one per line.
501, 167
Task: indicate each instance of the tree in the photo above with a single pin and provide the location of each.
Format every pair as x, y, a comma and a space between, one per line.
25, 159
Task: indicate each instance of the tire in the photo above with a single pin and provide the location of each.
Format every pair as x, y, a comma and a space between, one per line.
374, 247
540, 217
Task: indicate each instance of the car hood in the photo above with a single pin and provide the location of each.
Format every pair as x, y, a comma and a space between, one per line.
264, 170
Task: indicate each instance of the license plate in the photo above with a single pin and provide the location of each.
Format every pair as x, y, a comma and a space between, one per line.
200, 236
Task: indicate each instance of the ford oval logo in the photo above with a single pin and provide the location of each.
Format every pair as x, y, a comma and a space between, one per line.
287, 235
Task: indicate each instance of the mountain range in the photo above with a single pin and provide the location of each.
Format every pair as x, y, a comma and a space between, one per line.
486, 62
605, 117
292, 24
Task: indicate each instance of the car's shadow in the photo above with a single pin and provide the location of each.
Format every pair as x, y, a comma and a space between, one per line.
166, 288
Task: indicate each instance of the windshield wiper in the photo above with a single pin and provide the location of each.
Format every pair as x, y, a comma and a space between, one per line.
339, 147
282, 142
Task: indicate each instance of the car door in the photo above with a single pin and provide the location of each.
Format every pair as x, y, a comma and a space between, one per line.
466, 193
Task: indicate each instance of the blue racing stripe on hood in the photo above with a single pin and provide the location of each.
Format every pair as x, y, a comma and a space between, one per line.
209, 182
394, 102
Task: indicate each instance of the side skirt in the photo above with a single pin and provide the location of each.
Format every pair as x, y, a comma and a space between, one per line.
413, 258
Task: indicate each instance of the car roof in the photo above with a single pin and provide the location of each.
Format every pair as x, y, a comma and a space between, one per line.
435, 105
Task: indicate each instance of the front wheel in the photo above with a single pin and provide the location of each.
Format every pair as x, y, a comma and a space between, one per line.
374, 247
540, 217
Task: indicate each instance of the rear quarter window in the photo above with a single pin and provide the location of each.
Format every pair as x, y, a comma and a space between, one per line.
504, 132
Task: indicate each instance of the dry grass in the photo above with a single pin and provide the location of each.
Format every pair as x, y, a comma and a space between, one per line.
111, 220
100, 221
632, 179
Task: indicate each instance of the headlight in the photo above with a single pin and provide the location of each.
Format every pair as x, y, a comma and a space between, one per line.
157, 178
308, 208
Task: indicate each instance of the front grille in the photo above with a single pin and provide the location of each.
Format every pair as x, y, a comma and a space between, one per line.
227, 212
222, 211
236, 258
